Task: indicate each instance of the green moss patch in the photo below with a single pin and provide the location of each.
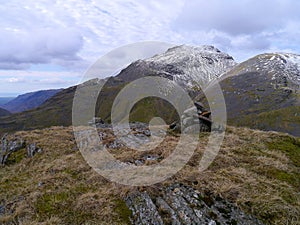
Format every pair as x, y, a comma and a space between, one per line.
289, 145
123, 211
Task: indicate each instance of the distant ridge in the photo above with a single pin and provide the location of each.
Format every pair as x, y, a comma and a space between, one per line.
29, 101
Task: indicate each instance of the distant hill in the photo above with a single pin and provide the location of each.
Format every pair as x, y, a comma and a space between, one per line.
55, 111
4, 112
29, 101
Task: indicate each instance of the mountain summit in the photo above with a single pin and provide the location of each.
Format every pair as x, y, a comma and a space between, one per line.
189, 63
183, 64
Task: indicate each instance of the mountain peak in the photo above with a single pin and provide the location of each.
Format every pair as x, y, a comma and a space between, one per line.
188, 64
192, 51
201, 48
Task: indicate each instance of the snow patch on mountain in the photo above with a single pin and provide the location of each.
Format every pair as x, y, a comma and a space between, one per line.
282, 66
191, 65
292, 66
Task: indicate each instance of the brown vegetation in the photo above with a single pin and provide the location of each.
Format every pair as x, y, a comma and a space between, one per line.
259, 171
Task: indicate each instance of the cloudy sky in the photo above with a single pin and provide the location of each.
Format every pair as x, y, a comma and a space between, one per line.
50, 44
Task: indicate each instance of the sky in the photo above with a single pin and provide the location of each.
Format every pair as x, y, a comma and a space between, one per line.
50, 44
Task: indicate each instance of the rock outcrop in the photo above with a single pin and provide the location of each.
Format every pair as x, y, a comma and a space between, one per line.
10, 145
32, 149
179, 204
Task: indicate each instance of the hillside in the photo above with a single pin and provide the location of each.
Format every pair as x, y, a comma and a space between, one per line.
55, 111
4, 112
29, 101
263, 93
256, 171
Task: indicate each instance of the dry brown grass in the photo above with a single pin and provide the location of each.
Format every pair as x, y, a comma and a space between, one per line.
250, 170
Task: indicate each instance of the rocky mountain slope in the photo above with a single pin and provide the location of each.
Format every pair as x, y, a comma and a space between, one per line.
255, 175
29, 100
181, 64
264, 92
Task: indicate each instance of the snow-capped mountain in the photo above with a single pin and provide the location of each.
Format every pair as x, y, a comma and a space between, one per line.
283, 68
289, 63
263, 92
186, 65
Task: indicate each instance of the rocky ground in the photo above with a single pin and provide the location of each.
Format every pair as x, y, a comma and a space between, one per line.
181, 204
253, 180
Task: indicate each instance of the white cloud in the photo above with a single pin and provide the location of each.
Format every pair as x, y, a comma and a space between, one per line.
19, 49
43, 31
15, 80
238, 17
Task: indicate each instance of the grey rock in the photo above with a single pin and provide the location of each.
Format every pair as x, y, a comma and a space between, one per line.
180, 204
166, 209
151, 157
190, 112
2, 210
32, 149
143, 209
14, 144
147, 133
10, 146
